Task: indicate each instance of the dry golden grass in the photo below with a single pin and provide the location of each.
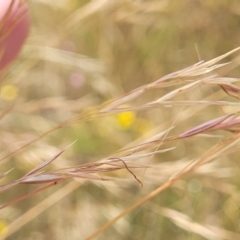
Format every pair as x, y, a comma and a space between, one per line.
86, 79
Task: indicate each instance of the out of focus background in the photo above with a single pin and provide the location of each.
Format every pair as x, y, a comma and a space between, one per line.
82, 54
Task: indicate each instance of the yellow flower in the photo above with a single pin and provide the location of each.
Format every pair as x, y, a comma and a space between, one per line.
126, 119
3, 227
9, 92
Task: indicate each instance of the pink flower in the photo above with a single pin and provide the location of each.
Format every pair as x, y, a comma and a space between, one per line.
14, 28
77, 80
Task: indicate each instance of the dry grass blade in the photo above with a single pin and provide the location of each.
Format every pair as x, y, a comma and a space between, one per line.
39, 208
231, 90
43, 178
65, 58
44, 164
217, 59
29, 143
183, 221
121, 101
179, 90
228, 125
211, 154
85, 116
192, 71
128, 97
129, 209
27, 195
29, 178
207, 231
205, 126
9, 185
126, 166
4, 174
86, 171
221, 80
134, 157
183, 103
146, 144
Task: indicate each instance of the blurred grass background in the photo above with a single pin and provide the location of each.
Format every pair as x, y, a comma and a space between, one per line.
81, 54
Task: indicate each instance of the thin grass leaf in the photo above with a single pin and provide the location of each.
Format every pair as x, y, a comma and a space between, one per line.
221, 80
205, 126
4, 174
43, 178
47, 162
128, 97
197, 69
27, 195
183, 103
8, 185
231, 90
178, 91
228, 124
144, 155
